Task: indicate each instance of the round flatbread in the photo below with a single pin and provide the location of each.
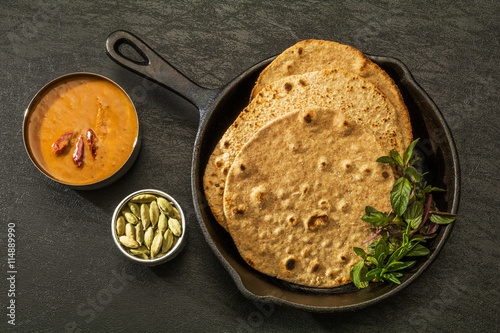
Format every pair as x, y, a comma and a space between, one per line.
296, 192
351, 95
313, 55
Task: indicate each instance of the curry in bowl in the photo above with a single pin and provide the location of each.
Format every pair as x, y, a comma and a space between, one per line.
81, 129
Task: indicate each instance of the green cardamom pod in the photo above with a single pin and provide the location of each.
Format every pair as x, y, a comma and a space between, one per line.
165, 206
163, 223
156, 245
139, 250
154, 213
139, 234
134, 208
143, 198
148, 237
175, 226
145, 216
130, 231
177, 215
128, 242
131, 218
120, 226
141, 255
168, 240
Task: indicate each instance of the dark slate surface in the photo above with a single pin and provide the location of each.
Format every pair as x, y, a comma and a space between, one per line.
70, 278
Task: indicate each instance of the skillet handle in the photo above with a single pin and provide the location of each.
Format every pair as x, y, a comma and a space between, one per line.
155, 68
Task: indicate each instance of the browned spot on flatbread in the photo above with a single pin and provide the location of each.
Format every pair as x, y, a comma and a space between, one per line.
250, 262
239, 210
323, 204
290, 264
305, 189
316, 221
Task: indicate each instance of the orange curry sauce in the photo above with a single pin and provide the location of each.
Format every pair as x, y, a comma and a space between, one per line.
77, 104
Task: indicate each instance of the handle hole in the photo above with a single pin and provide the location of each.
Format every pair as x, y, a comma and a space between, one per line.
131, 52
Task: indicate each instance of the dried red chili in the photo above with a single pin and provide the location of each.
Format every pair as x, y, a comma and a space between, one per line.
62, 142
78, 154
91, 137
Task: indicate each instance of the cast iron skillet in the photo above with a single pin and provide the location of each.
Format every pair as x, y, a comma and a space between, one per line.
219, 107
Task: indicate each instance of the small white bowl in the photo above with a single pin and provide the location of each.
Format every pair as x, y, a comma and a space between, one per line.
173, 252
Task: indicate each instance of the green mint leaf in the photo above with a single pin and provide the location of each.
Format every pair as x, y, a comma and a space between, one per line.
360, 252
372, 260
396, 255
418, 240
418, 250
400, 195
393, 244
406, 236
378, 219
399, 265
397, 220
392, 278
373, 272
381, 247
405, 240
429, 189
409, 152
414, 159
397, 158
381, 259
413, 173
442, 218
371, 247
413, 215
358, 272
386, 159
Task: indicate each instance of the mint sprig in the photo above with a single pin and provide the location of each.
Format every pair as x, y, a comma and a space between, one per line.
402, 231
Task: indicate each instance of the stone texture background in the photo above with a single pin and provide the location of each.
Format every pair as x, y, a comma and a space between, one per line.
66, 261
